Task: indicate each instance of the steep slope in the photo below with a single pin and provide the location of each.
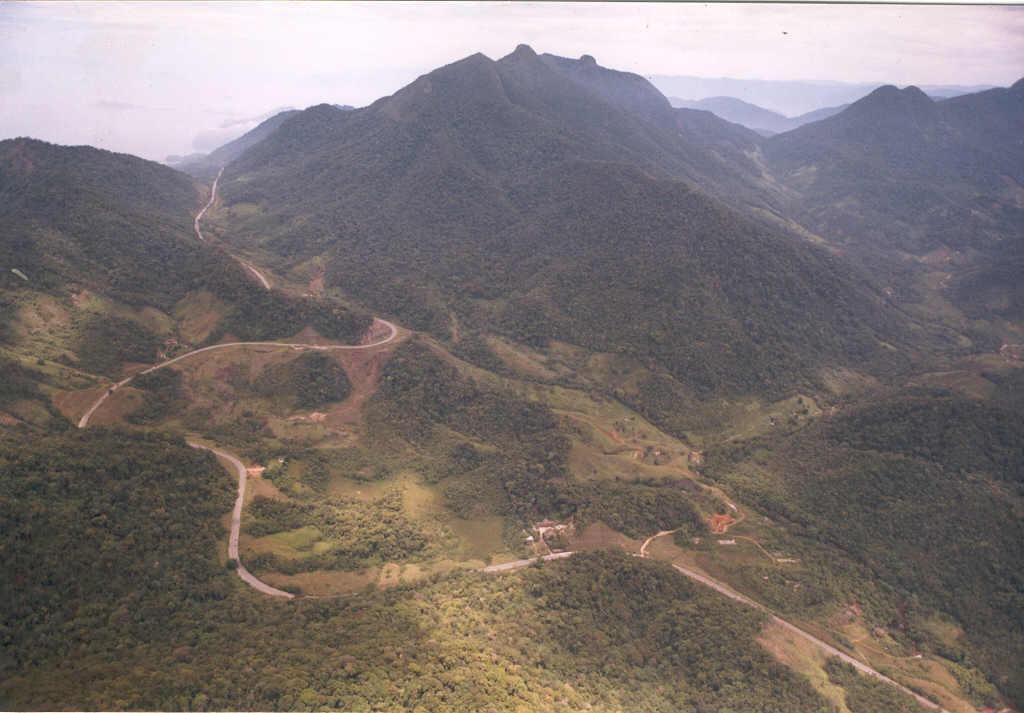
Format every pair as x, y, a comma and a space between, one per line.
816, 115
115, 598
922, 487
106, 257
207, 165
740, 112
116, 223
523, 200
899, 171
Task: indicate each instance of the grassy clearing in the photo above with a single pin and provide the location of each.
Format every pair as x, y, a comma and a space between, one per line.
805, 658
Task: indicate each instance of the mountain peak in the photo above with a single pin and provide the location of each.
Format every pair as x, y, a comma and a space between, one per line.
588, 60
886, 91
889, 99
915, 93
523, 51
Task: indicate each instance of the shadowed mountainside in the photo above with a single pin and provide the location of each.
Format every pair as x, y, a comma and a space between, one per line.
511, 194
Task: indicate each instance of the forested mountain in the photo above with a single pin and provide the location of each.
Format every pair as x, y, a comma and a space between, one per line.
557, 204
899, 171
671, 335
207, 165
113, 221
99, 238
921, 487
166, 628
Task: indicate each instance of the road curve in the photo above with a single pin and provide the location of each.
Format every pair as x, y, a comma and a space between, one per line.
200, 214
236, 523
199, 234
256, 273
255, 583
392, 333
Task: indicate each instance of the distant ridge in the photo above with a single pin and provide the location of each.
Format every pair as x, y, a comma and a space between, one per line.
786, 97
207, 165
764, 121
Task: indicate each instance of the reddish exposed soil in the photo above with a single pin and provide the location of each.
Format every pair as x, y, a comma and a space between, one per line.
316, 285
363, 371
720, 524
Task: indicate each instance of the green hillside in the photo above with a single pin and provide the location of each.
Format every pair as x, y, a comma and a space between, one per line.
105, 244
516, 199
136, 598
921, 489
791, 364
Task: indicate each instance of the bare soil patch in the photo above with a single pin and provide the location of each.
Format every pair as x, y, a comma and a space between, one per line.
363, 371
720, 524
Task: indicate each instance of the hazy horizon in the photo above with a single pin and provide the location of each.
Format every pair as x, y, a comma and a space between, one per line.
155, 79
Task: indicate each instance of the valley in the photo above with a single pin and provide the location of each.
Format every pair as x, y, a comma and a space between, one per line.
533, 391
391, 332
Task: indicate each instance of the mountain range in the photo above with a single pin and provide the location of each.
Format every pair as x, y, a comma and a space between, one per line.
763, 121
789, 97
791, 362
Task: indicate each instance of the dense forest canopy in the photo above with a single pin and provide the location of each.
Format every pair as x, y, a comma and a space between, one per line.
615, 315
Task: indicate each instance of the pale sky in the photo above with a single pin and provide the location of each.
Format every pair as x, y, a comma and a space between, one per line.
160, 78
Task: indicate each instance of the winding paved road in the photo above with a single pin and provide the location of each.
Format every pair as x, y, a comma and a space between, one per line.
392, 333
236, 524
200, 214
236, 515
259, 275
260, 586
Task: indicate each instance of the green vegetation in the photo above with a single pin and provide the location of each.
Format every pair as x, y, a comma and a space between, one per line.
18, 382
962, 435
78, 219
310, 380
114, 598
900, 171
106, 342
639, 509
422, 400
644, 256
356, 534
895, 488
561, 214
868, 695
162, 397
